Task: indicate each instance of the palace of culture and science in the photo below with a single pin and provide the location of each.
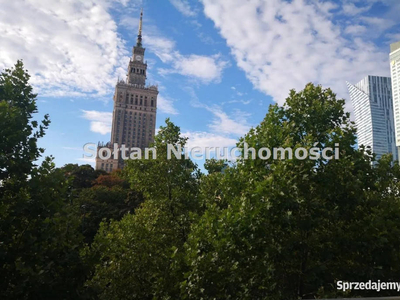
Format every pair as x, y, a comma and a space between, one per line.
135, 107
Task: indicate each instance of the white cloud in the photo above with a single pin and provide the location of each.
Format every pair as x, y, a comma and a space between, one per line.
165, 105
282, 45
100, 122
236, 124
100, 127
351, 9
71, 48
206, 39
225, 129
204, 68
393, 38
183, 7
244, 102
129, 22
161, 46
378, 24
207, 140
355, 29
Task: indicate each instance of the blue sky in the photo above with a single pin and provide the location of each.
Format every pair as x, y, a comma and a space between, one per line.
218, 63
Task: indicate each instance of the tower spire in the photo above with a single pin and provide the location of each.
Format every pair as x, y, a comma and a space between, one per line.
139, 37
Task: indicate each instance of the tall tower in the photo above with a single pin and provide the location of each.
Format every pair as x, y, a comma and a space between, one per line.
373, 111
135, 108
395, 74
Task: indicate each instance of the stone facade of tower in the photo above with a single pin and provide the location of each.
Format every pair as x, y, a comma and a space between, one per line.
134, 114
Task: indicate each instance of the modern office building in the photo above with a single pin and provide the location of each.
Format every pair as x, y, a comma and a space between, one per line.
395, 74
135, 108
373, 111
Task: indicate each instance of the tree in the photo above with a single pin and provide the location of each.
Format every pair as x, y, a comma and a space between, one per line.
18, 137
81, 177
39, 249
295, 227
110, 198
214, 165
40, 240
141, 257
111, 180
173, 182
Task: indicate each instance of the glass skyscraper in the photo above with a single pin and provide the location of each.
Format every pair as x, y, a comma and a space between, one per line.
373, 111
395, 73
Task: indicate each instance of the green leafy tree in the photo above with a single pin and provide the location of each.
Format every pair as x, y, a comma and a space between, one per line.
216, 189
81, 177
18, 132
109, 199
39, 248
97, 195
291, 228
40, 240
215, 165
141, 257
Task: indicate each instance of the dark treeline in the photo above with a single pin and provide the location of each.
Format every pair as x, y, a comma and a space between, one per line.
161, 229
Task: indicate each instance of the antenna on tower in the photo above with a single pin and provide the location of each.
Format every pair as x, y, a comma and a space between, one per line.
139, 37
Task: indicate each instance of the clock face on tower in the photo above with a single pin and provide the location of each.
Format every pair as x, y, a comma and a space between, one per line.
138, 58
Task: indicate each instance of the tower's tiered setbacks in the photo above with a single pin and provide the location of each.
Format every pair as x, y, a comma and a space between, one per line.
135, 107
